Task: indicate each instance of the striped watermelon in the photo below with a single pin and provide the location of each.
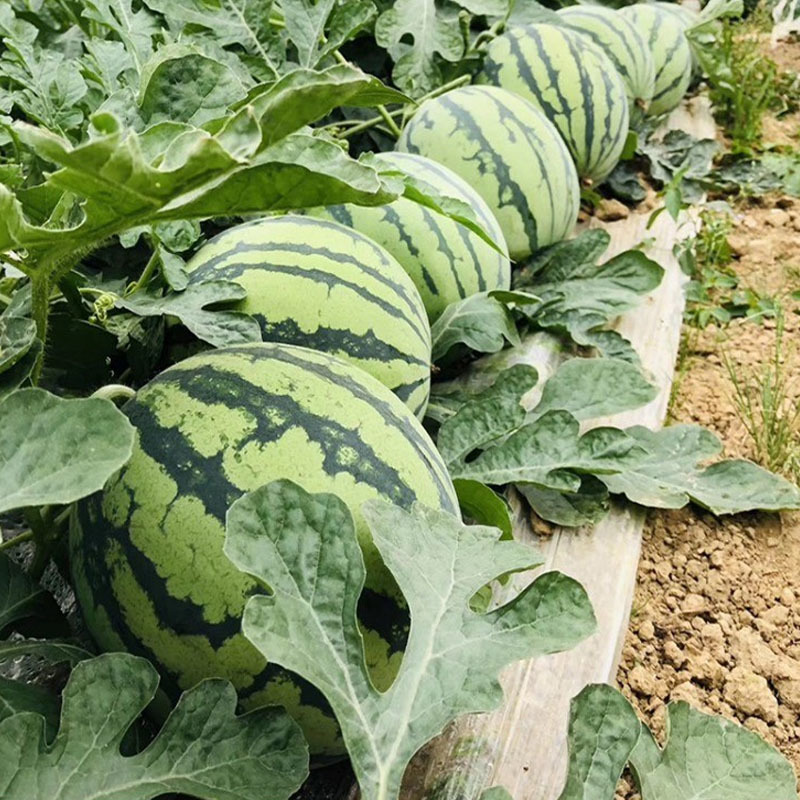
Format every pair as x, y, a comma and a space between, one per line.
319, 284
624, 45
446, 261
509, 152
687, 17
573, 83
672, 55
146, 552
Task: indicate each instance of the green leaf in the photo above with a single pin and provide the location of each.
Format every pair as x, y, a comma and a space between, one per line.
135, 29
24, 605
305, 23
595, 387
52, 650
496, 793
434, 35
18, 698
17, 335
603, 730
480, 504
549, 452
174, 270
480, 322
453, 655
203, 750
587, 506
40, 462
184, 86
710, 758
667, 475
11, 379
218, 328
244, 23
488, 415
347, 21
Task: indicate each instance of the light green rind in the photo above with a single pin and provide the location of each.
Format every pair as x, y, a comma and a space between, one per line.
446, 261
510, 153
672, 56
623, 44
318, 284
573, 83
146, 553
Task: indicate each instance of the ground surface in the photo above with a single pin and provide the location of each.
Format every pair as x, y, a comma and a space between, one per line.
716, 616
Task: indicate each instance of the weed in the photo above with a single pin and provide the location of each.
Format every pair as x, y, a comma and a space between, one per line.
767, 409
744, 84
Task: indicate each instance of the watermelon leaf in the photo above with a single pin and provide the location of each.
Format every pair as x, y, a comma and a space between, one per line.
667, 475
217, 327
435, 34
57, 451
705, 756
53, 650
594, 387
17, 697
203, 750
549, 452
17, 335
587, 506
480, 322
24, 605
308, 623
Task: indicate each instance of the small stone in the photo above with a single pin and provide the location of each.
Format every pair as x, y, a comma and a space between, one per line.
674, 654
789, 693
693, 604
757, 725
647, 631
777, 615
778, 218
750, 694
642, 681
707, 670
611, 210
787, 597
687, 692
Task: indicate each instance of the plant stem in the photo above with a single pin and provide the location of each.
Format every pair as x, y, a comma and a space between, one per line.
114, 390
391, 124
25, 536
40, 310
147, 273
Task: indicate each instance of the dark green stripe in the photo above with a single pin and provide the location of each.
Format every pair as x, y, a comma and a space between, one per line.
224, 267
509, 192
393, 218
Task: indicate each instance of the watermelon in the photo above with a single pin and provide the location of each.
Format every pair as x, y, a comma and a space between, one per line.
672, 56
618, 38
510, 153
146, 552
688, 18
321, 285
446, 261
573, 83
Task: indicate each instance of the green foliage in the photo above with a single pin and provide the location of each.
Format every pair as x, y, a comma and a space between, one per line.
39, 462
765, 407
704, 757
453, 655
744, 84
203, 750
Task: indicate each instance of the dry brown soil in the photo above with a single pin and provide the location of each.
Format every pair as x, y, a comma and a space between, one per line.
716, 616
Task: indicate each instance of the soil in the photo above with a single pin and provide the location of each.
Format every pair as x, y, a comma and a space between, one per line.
716, 615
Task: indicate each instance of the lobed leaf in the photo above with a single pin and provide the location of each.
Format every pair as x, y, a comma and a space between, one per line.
296, 543
204, 750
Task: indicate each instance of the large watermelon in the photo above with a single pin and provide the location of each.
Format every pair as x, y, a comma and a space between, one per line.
446, 261
510, 153
146, 552
573, 83
623, 44
672, 56
321, 285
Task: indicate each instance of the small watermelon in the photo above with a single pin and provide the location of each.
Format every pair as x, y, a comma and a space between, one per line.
321, 285
573, 83
672, 56
510, 153
446, 261
618, 38
146, 552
